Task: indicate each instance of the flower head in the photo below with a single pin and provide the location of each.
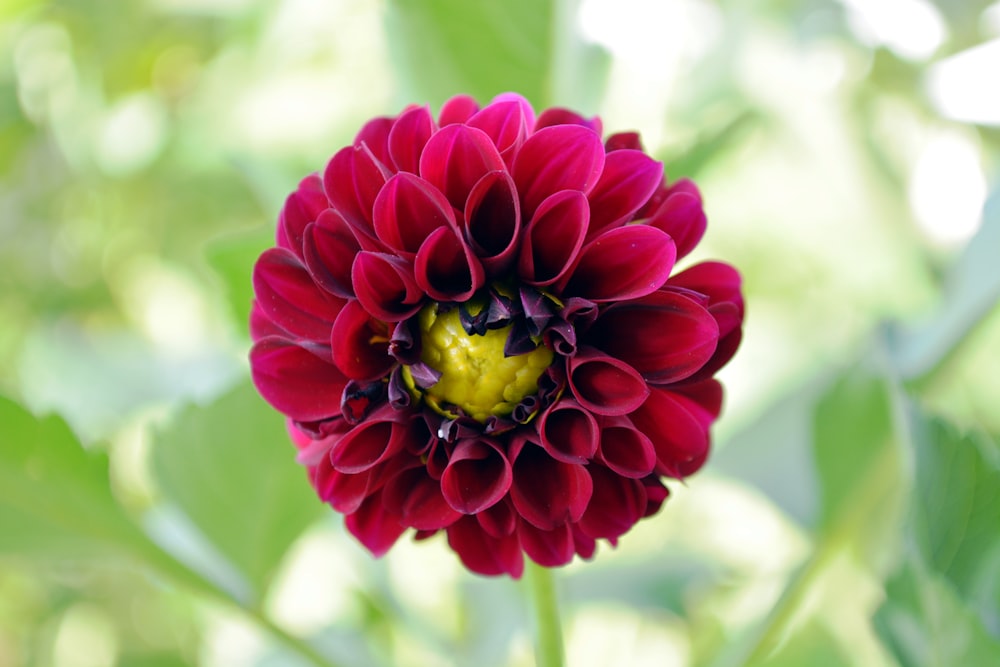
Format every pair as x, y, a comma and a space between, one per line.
472, 326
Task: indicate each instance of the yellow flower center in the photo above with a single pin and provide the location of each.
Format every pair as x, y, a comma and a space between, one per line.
475, 374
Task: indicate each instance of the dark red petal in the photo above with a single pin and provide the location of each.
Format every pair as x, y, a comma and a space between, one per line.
719, 281
556, 116
656, 494
628, 180
506, 122
681, 215
288, 296
569, 432
343, 491
371, 442
623, 263
546, 492
458, 109
301, 208
664, 335
548, 548
261, 325
407, 210
626, 450
478, 475
385, 286
493, 221
583, 544
446, 268
679, 436
417, 499
707, 394
328, 247
623, 141
483, 553
498, 520
605, 385
295, 381
360, 344
455, 158
373, 526
564, 157
553, 238
617, 504
408, 136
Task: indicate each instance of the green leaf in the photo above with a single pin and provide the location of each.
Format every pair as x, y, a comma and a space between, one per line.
444, 47
812, 645
232, 257
925, 624
55, 497
231, 468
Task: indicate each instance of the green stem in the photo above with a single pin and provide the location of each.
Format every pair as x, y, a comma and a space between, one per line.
548, 633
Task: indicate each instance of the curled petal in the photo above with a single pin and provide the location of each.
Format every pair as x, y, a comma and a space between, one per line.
507, 122
719, 281
287, 295
385, 286
344, 491
564, 157
296, 381
407, 210
301, 208
371, 442
679, 436
458, 109
664, 335
498, 520
417, 499
446, 268
617, 504
548, 548
455, 158
360, 344
623, 263
493, 221
328, 247
478, 475
569, 432
483, 553
408, 136
629, 178
352, 180
548, 493
605, 385
681, 215
626, 450
553, 238
374, 526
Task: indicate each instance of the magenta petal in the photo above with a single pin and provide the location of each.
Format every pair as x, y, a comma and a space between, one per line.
493, 221
718, 281
483, 553
407, 210
626, 450
617, 504
558, 116
605, 385
261, 325
385, 286
569, 432
446, 268
288, 296
417, 499
548, 493
564, 157
623, 263
548, 548
360, 345
374, 138
681, 215
455, 158
408, 136
352, 180
295, 381
301, 208
629, 178
664, 335
458, 109
370, 442
478, 475
328, 247
507, 123
679, 436
373, 526
553, 238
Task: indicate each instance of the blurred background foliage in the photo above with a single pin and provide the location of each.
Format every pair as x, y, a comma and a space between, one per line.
151, 513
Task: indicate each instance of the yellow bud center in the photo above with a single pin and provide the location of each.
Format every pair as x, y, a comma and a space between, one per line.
475, 374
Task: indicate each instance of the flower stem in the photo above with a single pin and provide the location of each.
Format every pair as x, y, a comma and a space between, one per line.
548, 633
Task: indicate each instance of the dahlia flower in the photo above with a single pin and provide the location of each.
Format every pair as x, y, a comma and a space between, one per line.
472, 325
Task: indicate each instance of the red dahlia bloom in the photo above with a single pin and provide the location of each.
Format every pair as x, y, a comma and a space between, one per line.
472, 327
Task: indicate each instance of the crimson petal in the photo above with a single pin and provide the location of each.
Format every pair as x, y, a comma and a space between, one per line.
564, 157
343, 491
629, 178
681, 215
374, 137
446, 268
385, 286
605, 385
548, 548
548, 493
407, 210
455, 158
617, 504
457, 109
498, 520
328, 247
478, 476
301, 207
370, 442
417, 499
569, 432
360, 345
623, 263
288, 296
295, 381
408, 136
678, 434
720, 282
375, 527
626, 450
553, 238
352, 180
483, 553
493, 220
507, 123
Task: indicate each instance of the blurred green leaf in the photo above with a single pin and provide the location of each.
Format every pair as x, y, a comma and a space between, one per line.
811, 645
231, 468
232, 257
710, 143
55, 497
925, 624
444, 47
